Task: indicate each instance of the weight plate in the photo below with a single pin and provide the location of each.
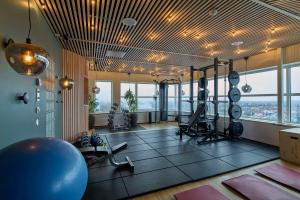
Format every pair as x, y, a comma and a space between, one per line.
203, 82
234, 78
235, 111
236, 129
234, 94
203, 95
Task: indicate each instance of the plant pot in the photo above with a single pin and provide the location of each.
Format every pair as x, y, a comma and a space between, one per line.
91, 121
134, 118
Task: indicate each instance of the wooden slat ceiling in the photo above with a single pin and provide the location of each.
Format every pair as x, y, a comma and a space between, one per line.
170, 34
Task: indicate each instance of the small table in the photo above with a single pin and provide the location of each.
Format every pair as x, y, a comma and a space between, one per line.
289, 143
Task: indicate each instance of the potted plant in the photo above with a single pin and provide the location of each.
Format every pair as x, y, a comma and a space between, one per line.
132, 104
92, 108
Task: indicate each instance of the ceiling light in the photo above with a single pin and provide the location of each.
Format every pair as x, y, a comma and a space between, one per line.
169, 18
212, 53
92, 26
129, 22
213, 12
122, 39
266, 50
198, 36
66, 83
268, 42
233, 34
93, 2
238, 51
238, 43
114, 54
273, 30
26, 58
43, 5
185, 34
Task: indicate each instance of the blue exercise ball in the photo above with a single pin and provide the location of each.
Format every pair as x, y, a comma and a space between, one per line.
42, 169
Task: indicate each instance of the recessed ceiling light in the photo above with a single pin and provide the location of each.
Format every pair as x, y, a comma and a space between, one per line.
213, 12
238, 43
129, 22
93, 2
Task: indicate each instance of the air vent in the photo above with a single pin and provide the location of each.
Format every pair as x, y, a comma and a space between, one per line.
115, 54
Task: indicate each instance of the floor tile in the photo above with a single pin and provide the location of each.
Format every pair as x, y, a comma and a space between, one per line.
129, 142
176, 150
159, 139
137, 147
189, 157
106, 190
223, 150
139, 155
271, 153
244, 159
146, 182
102, 173
147, 165
162, 144
204, 169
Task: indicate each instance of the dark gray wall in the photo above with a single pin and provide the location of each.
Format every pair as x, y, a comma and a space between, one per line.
17, 120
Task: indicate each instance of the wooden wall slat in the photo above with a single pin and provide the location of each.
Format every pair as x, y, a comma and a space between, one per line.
75, 113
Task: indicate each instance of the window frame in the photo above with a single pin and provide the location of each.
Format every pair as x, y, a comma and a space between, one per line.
288, 94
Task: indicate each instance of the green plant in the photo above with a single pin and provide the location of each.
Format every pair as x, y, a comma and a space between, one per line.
131, 100
92, 103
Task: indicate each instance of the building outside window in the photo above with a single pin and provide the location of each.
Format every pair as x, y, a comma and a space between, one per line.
104, 97
261, 103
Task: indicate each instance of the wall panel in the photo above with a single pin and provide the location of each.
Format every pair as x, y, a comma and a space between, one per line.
75, 112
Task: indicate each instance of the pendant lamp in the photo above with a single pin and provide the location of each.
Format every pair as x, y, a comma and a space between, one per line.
26, 58
246, 88
95, 89
66, 83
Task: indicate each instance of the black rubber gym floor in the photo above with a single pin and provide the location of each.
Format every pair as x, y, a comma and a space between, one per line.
162, 160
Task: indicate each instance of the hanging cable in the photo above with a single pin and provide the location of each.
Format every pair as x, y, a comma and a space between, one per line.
29, 20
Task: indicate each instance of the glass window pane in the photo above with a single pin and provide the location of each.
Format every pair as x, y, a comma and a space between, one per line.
264, 82
195, 89
264, 108
146, 104
185, 106
295, 79
104, 97
172, 90
295, 109
126, 86
172, 104
186, 90
146, 89
210, 87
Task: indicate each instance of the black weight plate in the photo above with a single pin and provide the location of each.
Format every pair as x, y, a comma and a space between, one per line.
234, 78
203, 95
234, 94
236, 129
203, 82
235, 111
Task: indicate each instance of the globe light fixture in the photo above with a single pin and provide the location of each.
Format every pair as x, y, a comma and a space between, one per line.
26, 58
66, 83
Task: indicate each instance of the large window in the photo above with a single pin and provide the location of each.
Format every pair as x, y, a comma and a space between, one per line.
124, 88
146, 93
261, 103
172, 98
291, 100
104, 98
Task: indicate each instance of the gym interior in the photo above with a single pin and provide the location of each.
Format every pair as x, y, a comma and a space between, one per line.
150, 99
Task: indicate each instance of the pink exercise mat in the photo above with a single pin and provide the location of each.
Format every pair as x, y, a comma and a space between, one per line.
256, 189
281, 174
205, 192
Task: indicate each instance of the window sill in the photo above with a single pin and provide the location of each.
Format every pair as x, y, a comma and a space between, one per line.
269, 122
